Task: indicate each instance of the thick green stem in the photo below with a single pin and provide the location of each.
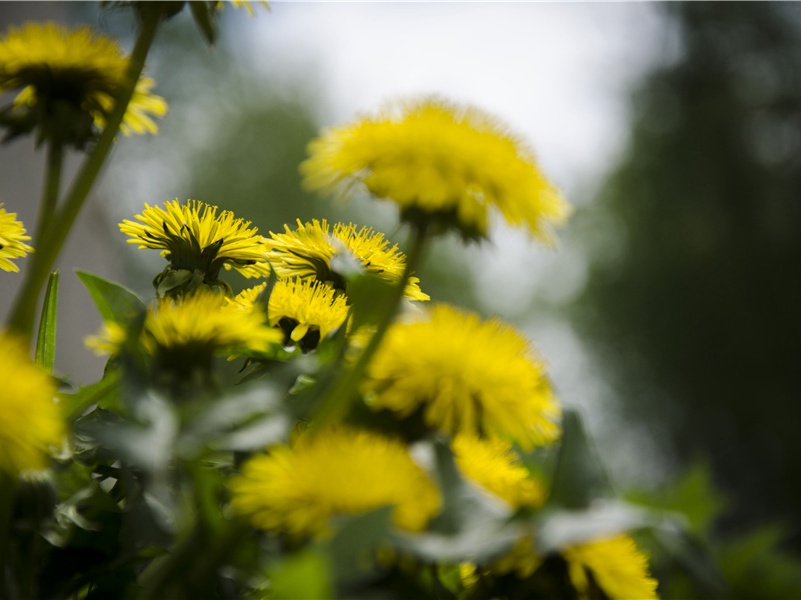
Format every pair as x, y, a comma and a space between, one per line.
337, 400
23, 312
52, 183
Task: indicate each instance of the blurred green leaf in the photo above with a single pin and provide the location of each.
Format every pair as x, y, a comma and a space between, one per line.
202, 13
352, 547
46, 340
116, 303
104, 393
579, 477
369, 295
302, 576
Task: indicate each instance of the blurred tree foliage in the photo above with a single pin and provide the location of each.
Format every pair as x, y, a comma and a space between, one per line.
694, 301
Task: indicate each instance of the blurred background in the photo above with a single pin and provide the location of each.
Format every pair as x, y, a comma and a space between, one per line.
669, 315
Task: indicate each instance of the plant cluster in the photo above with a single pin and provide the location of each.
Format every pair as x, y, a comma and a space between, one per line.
373, 442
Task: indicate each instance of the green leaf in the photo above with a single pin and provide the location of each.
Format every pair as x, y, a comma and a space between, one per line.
46, 340
301, 576
579, 477
352, 547
115, 302
201, 13
369, 296
104, 393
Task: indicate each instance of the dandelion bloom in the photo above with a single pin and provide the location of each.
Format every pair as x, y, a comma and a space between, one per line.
309, 250
468, 376
194, 237
336, 471
30, 420
12, 240
439, 161
75, 73
193, 329
306, 310
617, 566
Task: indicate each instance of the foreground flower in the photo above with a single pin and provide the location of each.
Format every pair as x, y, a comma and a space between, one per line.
192, 330
615, 565
305, 310
12, 240
198, 242
467, 375
336, 471
308, 252
68, 80
439, 161
30, 420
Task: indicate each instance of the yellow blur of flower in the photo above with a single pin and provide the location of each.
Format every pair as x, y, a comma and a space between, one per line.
305, 309
617, 566
194, 236
200, 324
470, 376
12, 240
55, 67
443, 161
246, 4
30, 420
308, 250
493, 464
336, 471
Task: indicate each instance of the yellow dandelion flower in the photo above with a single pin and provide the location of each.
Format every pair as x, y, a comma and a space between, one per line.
246, 4
308, 250
196, 239
336, 471
617, 566
73, 75
194, 328
306, 310
468, 375
493, 464
12, 240
439, 161
30, 420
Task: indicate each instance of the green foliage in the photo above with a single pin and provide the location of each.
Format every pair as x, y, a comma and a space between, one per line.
46, 340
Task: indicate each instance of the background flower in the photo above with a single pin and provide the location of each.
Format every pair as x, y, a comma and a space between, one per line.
12, 240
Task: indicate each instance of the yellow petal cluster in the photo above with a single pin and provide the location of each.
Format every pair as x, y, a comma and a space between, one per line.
443, 160
335, 471
617, 566
193, 235
12, 240
44, 60
308, 250
470, 376
30, 420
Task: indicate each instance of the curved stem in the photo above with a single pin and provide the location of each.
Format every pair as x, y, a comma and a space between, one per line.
337, 400
52, 181
23, 312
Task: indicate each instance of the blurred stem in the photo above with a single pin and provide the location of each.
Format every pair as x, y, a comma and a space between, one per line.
337, 400
8, 487
52, 181
58, 226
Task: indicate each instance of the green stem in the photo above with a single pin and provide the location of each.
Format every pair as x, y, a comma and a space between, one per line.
337, 400
7, 491
52, 182
23, 312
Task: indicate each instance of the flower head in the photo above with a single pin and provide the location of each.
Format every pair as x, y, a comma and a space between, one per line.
198, 242
617, 566
442, 162
306, 310
12, 240
30, 420
68, 80
192, 329
308, 252
467, 375
336, 471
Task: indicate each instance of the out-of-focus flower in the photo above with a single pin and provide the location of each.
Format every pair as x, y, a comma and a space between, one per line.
12, 240
336, 471
68, 80
198, 242
616, 566
308, 251
30, 420
306, 310
468, 376
246, 4
442, 163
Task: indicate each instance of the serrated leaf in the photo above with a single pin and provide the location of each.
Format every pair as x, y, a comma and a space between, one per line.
46, 339
115, 302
